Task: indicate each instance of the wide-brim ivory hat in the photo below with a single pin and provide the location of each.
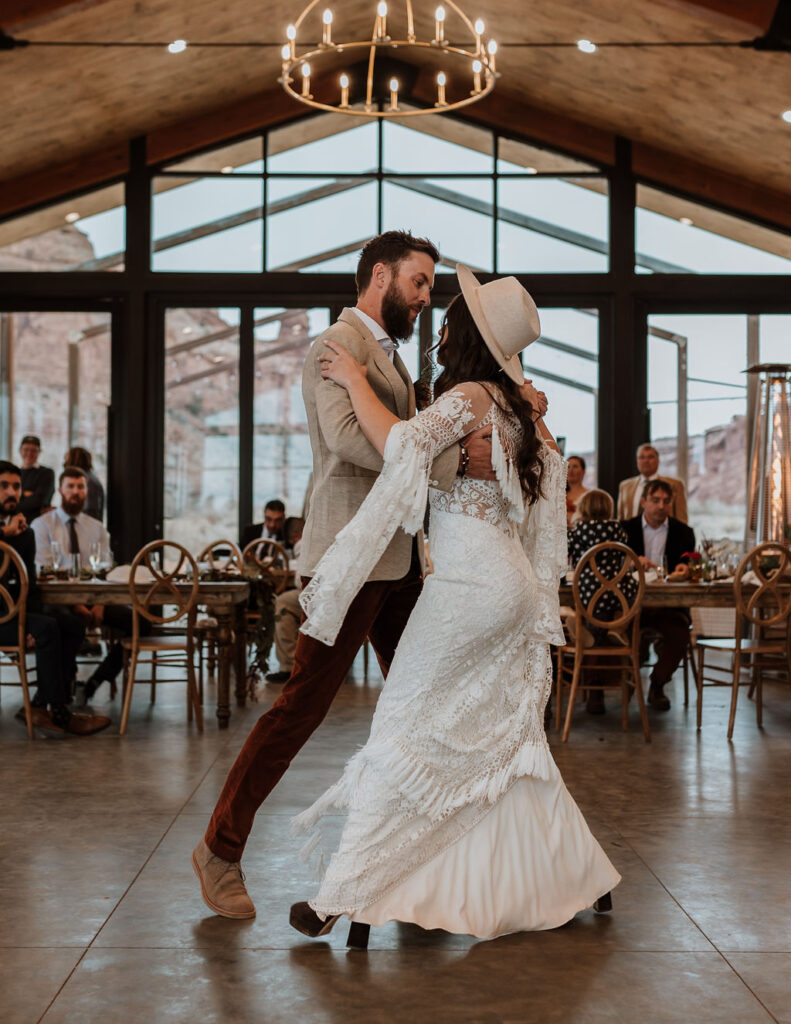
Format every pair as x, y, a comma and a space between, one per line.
506, 316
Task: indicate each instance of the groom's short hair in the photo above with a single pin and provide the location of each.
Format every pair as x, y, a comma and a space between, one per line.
390, 248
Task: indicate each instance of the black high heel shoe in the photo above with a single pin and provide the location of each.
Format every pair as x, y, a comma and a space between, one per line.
603, 904
305, 919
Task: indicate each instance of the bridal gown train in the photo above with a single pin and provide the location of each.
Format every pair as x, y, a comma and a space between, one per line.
456, 815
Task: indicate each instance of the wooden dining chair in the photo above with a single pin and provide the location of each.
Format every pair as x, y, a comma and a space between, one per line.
221, 556
12, 568
268, 561
162, 602
765, 607
608, 657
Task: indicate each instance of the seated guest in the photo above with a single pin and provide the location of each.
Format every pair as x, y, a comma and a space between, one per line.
630, 491
76, 533
595, 526
49, 703
574, 487
657, 537
272, 526
81, 458
288, 613
38, 482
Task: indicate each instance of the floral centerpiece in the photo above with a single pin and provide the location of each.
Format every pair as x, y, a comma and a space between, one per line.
694, 562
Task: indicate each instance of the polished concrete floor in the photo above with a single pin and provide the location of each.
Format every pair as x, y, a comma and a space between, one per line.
101, 918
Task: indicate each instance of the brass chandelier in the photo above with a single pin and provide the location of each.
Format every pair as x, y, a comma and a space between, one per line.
471, 67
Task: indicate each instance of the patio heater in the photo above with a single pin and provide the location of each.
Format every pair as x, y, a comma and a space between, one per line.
769, 493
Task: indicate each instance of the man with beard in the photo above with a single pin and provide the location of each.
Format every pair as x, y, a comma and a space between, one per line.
394, 278
75, 533
49, 704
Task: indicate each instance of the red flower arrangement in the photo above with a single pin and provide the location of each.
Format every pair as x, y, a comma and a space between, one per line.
691, 556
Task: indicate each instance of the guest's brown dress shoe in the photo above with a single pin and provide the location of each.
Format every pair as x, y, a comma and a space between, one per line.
41, 720
86, 725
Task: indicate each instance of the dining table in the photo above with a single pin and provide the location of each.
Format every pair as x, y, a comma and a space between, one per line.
225, 600
667, 594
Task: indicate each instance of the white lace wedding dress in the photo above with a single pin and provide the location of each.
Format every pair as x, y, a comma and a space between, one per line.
457, 816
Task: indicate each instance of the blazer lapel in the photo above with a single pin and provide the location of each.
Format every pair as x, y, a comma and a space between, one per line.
406, 410
402, 392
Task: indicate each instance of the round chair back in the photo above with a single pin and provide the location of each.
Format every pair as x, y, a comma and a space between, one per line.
610, 564
168, 586
12, 571
771, 563
222, 556
267, 560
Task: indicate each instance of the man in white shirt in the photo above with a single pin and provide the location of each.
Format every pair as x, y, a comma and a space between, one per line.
65, 532
630, 491
656, 537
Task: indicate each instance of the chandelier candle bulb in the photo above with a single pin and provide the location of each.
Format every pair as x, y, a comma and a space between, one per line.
285, 55
477, 67
491, 49
326, 37
394, 94
381, 21
479, 30
441, 83
291, 35
344, 90
306, 81
439, 27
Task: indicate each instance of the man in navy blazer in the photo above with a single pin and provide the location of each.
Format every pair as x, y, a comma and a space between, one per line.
657, 538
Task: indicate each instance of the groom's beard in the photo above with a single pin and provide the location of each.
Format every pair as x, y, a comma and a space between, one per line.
395, 314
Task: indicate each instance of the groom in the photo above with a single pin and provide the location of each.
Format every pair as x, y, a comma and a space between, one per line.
394, 278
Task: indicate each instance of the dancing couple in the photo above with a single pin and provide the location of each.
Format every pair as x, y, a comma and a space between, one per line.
457, 817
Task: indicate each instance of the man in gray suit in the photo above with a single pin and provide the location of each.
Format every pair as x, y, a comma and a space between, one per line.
394, 278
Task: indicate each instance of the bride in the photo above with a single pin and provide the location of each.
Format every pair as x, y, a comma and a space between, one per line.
457, 817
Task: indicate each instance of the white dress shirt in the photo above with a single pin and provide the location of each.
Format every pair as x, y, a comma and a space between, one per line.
654, 541
379, 333
54, 526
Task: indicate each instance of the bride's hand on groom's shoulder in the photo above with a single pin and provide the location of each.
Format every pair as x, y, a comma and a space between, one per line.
337, 365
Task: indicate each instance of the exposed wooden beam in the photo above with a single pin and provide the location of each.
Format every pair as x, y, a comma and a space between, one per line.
748, 16
53, 182
21, 15
711, 185
261, 111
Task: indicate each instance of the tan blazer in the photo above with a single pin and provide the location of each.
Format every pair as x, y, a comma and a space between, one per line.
628, 489
345, 463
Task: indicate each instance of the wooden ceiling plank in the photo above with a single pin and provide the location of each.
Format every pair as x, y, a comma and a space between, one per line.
711, 185
21, 15
741, 15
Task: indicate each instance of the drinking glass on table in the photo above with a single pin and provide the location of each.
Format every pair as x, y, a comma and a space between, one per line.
661, 569
95, 557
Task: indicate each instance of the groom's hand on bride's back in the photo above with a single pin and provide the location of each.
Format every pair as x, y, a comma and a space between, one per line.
479, 446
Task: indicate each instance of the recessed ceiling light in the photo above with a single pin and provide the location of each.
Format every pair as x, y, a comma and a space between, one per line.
227, 169
686, 221
71, 217
531, 170
786, 116
586, 46
177, 46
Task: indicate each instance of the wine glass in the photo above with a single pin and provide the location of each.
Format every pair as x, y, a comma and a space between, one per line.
95, 557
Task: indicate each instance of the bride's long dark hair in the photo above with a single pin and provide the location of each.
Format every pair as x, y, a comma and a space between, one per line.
466, 358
